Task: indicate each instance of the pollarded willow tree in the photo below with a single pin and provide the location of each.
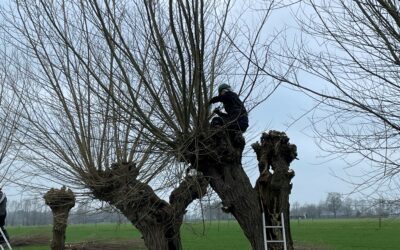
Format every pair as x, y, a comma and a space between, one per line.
119, 105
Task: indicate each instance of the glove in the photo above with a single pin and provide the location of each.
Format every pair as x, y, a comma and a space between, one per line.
216, 111
212, 100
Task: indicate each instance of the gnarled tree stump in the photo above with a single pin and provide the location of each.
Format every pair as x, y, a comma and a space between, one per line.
60, 201
274, 155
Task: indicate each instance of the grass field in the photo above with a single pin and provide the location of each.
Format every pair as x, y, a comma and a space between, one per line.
307, 234
348, 233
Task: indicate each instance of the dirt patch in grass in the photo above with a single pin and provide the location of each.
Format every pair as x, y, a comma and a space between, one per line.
21, 241
93, 245
32, 240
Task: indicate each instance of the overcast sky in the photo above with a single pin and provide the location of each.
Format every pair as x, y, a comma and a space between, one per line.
314, 175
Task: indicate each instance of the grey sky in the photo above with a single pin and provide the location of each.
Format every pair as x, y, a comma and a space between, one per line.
314, 177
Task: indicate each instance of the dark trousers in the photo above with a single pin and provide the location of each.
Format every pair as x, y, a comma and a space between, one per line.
2, 220
2, 223
240, 124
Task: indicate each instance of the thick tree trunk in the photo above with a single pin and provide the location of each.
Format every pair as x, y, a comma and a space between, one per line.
239, 198
60, 201
157, 220
221, 163
156, 225
156, 236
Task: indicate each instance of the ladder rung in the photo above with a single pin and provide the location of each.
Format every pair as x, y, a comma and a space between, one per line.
273, 227
282, 227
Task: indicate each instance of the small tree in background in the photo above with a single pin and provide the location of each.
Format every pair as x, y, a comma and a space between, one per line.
333, 202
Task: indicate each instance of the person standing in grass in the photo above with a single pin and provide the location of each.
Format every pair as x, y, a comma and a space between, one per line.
3, 214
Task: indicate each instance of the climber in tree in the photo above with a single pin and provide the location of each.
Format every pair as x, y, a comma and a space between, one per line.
235, 118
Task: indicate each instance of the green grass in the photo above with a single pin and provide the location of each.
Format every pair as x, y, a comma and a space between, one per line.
91, 232
29, 230
327, 234
79, 233
214, 236
348, 233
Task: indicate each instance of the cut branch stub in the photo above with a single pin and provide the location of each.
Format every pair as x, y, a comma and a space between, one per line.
60, 201
113, 183
273, 150
60, 198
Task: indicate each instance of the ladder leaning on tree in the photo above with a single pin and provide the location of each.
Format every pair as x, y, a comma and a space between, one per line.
5, 240
282, 227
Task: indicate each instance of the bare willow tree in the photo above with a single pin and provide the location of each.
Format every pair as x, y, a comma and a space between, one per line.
350, 56
74, 134
334, 202
9, 116
362, 69
118, 103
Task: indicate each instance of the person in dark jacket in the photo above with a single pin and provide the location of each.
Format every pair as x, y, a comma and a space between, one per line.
3, 214
235, 118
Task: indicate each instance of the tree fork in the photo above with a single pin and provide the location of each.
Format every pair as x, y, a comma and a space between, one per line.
60, 202
157, 220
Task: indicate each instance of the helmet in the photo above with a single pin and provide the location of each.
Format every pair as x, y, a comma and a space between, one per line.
222, 87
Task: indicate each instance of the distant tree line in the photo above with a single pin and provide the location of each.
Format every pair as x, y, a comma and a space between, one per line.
335, 205
33, 211
30, 212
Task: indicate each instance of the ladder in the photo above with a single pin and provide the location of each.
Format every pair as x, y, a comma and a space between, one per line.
282, 227
5, 239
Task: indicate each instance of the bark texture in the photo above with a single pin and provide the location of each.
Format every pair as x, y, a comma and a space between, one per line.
220, 161
216, 155
157, 220
274, 154
60, 202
